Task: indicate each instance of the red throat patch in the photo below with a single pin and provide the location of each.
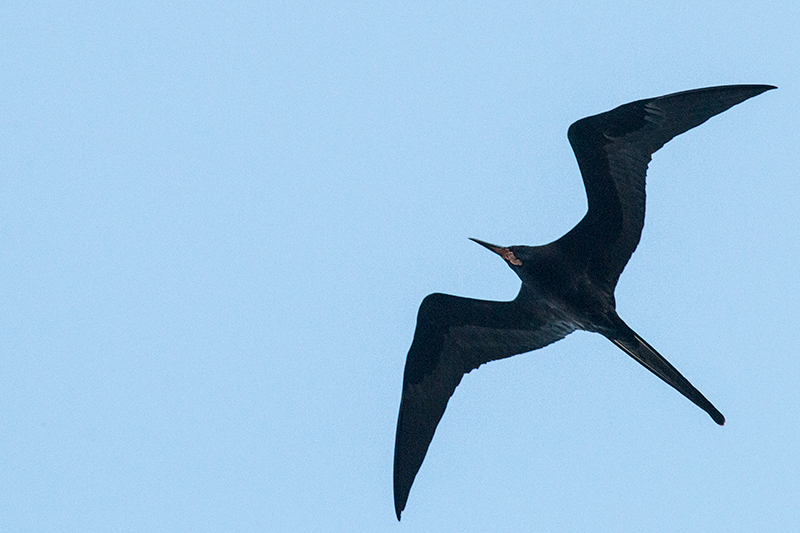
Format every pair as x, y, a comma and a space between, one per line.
509, 256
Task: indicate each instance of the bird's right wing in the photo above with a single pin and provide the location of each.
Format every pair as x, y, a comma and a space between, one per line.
455, 335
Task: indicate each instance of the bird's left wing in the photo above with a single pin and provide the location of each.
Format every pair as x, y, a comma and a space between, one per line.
455, 335
613, 150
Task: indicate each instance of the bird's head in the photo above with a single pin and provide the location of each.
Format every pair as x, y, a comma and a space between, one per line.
513, 255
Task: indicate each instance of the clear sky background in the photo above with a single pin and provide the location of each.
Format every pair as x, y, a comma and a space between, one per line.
218, 221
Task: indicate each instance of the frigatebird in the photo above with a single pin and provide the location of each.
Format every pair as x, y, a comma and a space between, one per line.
567, 285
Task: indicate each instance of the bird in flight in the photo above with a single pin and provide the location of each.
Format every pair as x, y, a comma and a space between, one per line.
567, 285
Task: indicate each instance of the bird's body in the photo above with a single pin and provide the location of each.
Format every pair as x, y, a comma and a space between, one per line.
567, 285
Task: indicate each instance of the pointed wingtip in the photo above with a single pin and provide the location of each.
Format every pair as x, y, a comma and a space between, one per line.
398, 505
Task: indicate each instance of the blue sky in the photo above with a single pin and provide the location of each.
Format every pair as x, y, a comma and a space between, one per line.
219, 220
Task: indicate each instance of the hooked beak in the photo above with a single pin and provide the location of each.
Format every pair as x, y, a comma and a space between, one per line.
505, 253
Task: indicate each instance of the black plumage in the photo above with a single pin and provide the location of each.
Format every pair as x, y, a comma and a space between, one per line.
566, 285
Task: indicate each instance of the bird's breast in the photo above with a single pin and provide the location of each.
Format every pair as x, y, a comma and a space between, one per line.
570, 297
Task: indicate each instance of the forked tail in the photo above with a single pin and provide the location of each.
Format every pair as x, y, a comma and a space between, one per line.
635, 346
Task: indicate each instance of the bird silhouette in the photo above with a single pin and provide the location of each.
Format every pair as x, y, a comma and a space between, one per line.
567, 285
